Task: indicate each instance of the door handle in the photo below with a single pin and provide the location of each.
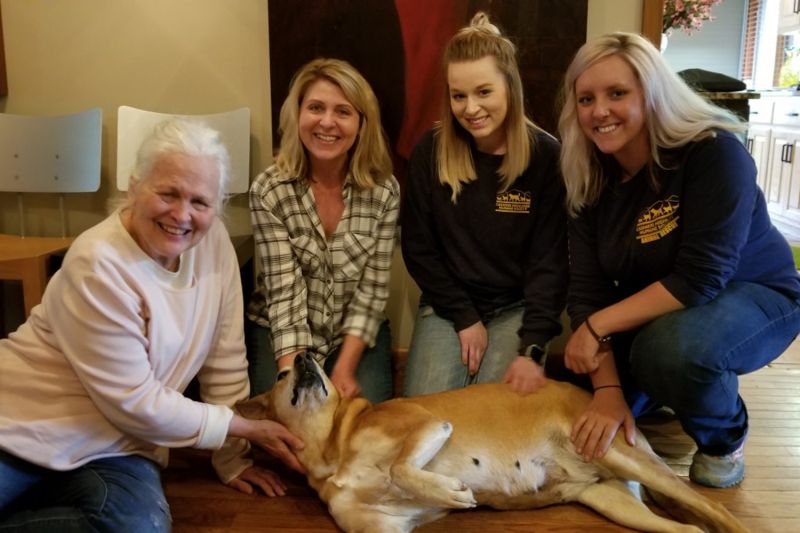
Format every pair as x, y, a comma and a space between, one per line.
787, 152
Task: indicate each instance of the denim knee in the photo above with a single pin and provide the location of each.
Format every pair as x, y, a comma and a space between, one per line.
375, 373
654, 352
663, 364
117, 494
134, 498
17, 476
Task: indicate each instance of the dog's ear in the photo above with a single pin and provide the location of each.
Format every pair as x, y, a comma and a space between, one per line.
255, 408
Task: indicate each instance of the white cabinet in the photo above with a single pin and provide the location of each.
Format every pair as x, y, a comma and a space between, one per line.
789, 16
781, 165
759, 139
773, 139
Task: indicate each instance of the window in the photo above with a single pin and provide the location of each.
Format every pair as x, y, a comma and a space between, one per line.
771, 51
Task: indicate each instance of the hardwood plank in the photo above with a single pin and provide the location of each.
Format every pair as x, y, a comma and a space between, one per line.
777, 460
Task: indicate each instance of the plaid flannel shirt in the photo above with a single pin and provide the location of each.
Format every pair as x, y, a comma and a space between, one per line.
313, 291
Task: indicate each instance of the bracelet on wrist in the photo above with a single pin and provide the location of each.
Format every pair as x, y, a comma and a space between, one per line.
604, 341
607, 387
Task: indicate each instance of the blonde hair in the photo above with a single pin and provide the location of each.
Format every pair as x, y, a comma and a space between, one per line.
674, 115
454, 159
369, 162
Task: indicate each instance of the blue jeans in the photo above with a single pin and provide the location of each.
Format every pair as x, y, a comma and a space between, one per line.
434, 358
690, 360
116, 494
374, 372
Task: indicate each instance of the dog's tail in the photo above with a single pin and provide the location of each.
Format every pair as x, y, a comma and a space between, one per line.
668, 490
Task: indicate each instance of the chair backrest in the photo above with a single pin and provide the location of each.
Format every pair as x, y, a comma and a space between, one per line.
53, 154
133, 125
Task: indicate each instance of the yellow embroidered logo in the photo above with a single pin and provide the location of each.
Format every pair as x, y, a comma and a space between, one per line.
513, 201
658, 220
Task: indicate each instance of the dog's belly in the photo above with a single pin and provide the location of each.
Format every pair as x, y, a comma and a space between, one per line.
525, 468
508, 477
493, 471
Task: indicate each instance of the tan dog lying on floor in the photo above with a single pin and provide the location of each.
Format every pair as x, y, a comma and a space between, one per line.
399, 464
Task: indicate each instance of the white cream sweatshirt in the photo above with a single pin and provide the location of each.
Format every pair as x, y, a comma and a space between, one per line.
100, 366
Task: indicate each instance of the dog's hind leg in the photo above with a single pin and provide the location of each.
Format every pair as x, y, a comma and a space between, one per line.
420, 446
613, 499
352, 516
644, 466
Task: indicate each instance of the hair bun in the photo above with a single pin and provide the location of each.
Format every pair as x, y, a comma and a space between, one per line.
480, 21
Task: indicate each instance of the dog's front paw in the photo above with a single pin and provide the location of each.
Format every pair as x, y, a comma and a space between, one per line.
457, 495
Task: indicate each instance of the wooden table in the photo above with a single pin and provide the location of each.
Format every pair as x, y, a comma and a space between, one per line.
25, 259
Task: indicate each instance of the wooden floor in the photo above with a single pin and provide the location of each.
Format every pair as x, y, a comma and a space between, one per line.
767, 501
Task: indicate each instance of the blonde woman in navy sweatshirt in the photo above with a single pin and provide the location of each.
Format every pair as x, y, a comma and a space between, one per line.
678, 280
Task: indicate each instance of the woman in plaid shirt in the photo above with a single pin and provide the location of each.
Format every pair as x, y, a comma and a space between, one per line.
324, 218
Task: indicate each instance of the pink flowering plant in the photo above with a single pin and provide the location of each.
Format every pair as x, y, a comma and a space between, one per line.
686, 15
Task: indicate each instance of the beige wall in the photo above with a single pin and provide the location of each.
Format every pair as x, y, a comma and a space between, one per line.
613, 15
178, 56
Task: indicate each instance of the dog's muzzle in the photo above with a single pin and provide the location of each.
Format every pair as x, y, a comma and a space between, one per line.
307, 376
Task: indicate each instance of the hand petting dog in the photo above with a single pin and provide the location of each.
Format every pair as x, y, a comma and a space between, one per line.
276, 440
525, 376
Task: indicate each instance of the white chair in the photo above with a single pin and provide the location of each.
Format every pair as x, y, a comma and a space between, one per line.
55, 154
133, 125
59, 154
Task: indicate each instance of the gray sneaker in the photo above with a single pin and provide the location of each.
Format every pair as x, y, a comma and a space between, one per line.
718, 472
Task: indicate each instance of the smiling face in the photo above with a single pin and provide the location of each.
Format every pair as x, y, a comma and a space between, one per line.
479, 102
611, 112
173, 208
328, 123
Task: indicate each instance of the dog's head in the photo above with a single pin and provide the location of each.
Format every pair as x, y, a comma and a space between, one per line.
302, 396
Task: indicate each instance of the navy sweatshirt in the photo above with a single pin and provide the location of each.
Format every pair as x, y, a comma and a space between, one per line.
706, 226
490, 249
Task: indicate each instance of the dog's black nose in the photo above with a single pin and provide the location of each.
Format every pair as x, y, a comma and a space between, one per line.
303, 362
307, 375
306, 372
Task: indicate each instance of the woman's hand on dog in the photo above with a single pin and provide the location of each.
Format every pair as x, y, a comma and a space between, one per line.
524, 376
345, 382
267, 480
474, 340
595, 429
343, 375
272, 437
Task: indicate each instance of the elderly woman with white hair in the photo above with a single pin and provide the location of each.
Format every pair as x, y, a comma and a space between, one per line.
91, 385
